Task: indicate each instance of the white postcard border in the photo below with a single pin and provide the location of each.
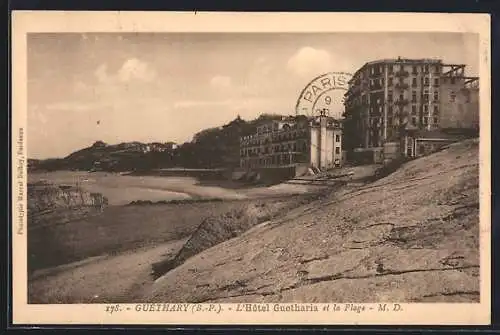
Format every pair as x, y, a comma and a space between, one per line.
24, 22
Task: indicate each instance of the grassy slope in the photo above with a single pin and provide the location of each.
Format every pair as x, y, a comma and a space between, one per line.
412, 236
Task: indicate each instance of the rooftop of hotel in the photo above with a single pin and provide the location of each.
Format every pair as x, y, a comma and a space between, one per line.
401, 60
406, 60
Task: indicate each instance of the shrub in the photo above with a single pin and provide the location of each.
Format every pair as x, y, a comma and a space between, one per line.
388, 168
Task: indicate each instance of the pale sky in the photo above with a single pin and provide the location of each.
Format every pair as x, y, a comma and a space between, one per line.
166, 87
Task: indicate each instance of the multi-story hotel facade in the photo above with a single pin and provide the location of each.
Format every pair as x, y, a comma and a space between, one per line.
295, 140
392, 99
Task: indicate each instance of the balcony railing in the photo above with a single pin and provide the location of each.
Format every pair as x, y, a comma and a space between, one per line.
401, 102
402, 73
401, 86
376, 87
376, 74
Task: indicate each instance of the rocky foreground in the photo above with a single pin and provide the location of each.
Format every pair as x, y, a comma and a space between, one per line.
410, 237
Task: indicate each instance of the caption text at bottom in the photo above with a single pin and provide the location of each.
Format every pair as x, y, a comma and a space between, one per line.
248, 307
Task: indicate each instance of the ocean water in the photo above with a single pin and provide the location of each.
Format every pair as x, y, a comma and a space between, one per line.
120, 189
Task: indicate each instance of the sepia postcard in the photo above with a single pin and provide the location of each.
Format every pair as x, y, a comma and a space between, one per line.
250, 168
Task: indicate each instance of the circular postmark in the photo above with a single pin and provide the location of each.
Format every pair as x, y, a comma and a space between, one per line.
324, 95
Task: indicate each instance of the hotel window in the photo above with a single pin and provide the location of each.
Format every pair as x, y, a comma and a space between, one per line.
391, 68
426, 68
389, 110
426, 108
426, 81
337, 138
436, 81
389, 121
401, 96
452, 96
414, 121
414, 96
436, 69
436, 96
389, 96
435, 120
414, 70
426, 120
436, 109
426, 95
390, 81
337, 150
414, 82
414, 109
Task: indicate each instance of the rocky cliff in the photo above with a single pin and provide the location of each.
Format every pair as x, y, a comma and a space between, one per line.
43, 197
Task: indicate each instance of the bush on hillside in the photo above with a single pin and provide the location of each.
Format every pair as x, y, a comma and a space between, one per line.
388, 168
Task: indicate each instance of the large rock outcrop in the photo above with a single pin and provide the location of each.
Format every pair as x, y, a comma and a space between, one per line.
43, 197
412, 236
216, 229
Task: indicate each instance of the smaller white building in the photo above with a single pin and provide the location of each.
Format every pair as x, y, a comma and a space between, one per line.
326, 142
292, 141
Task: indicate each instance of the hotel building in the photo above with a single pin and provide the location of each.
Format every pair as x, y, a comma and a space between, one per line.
406, 100
295, 140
